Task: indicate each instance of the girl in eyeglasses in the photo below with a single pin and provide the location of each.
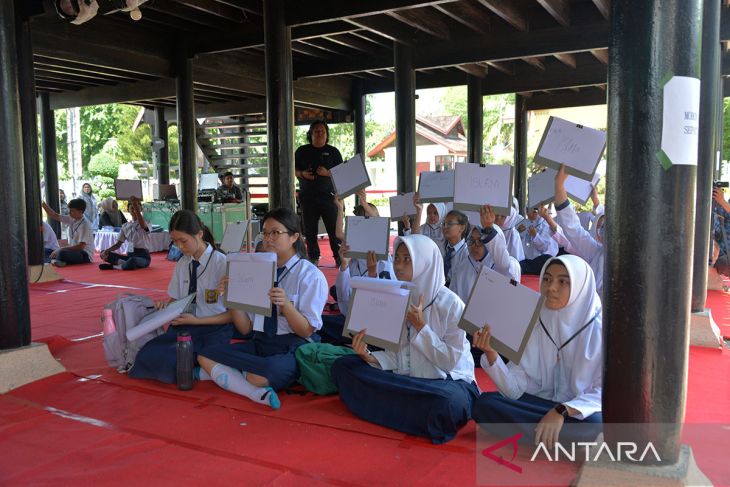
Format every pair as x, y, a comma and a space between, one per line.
265, 364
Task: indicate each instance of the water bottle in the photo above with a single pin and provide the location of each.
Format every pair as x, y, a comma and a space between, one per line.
184, 361
108, 324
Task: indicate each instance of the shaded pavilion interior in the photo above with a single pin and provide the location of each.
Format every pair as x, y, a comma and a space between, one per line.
298, 60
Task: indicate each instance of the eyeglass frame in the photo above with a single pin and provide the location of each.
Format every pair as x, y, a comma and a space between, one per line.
266, 235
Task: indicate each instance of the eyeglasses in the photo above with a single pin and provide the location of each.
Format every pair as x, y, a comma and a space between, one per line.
274, 234
451, 224
473, 241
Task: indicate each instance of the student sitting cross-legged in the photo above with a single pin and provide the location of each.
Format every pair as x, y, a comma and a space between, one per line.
265, 364
198, 271
427, 387
80, 248
559, 378
137, 233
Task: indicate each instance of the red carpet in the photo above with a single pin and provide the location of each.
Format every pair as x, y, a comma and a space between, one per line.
93, 426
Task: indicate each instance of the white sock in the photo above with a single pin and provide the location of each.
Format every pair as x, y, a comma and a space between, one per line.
232, 380
202, 374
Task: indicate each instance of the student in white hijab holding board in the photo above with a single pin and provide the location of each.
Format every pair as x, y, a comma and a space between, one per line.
428, 386
508, 225
434, 226
585, 244
559, 377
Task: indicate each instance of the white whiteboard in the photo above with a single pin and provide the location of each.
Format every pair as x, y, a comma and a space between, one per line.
476, 185
436, 186
350, 176
402, 205
579, 148
208, 181
233, 237
580, 189
541, 188
510, 308
128, 188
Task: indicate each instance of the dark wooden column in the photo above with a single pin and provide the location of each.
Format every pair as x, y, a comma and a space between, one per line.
163, 153
50, 160
14, 303
358, 110
475, 114
648, 282
405, 118
710, 103
29, 128
279, 105
186, 132
520, 154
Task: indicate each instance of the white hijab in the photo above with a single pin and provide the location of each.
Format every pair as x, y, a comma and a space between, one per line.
428, 267
512, 236
441, 210
581, 361
600, 213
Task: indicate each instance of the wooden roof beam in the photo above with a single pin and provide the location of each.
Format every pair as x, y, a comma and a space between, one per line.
315, 11
567, 59
506, 10
387, 27
352, 42
601, 55
535, 62
216, 8
478, 70
507, 67
558, 9
603, 6
467, 13
420, 19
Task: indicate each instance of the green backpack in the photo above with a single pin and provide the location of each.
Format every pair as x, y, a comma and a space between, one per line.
315, 362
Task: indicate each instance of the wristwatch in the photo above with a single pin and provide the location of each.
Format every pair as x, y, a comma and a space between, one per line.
562, 410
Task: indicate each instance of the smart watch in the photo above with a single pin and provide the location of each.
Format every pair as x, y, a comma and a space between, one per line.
562, 410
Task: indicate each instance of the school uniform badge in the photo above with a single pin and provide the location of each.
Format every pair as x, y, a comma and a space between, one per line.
211, 296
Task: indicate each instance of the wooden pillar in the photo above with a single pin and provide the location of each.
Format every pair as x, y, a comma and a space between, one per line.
14, 295
405, 118
163, 158
648, 282
475, 114
186, 132
279, 105
50, 159
29, 128
520, 154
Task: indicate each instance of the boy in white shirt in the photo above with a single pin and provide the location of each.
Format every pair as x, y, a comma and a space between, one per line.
80, 249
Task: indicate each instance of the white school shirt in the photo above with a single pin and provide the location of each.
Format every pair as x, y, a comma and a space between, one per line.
541, 243
49, 238
497, 258
559, 236
306, 287
576, 379
440, 349
359, 267
435, 233
132, 232
80, 231
211, 270
582, 243
458, 256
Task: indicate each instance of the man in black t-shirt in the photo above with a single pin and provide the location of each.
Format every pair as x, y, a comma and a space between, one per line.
316, 191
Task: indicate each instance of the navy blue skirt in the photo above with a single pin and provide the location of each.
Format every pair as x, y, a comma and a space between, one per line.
492, 411
270, 357
433, 408
158, 358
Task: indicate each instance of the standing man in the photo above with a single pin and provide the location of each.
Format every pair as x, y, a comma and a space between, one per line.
316, 191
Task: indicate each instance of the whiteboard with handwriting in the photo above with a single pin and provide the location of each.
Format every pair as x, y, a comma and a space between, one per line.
364, 234
400, 205
580, 148
580, 189
476, 185
510, 308
380, 306
250, 278
435, 186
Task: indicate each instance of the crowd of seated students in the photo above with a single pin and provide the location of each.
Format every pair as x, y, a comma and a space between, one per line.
427, 387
